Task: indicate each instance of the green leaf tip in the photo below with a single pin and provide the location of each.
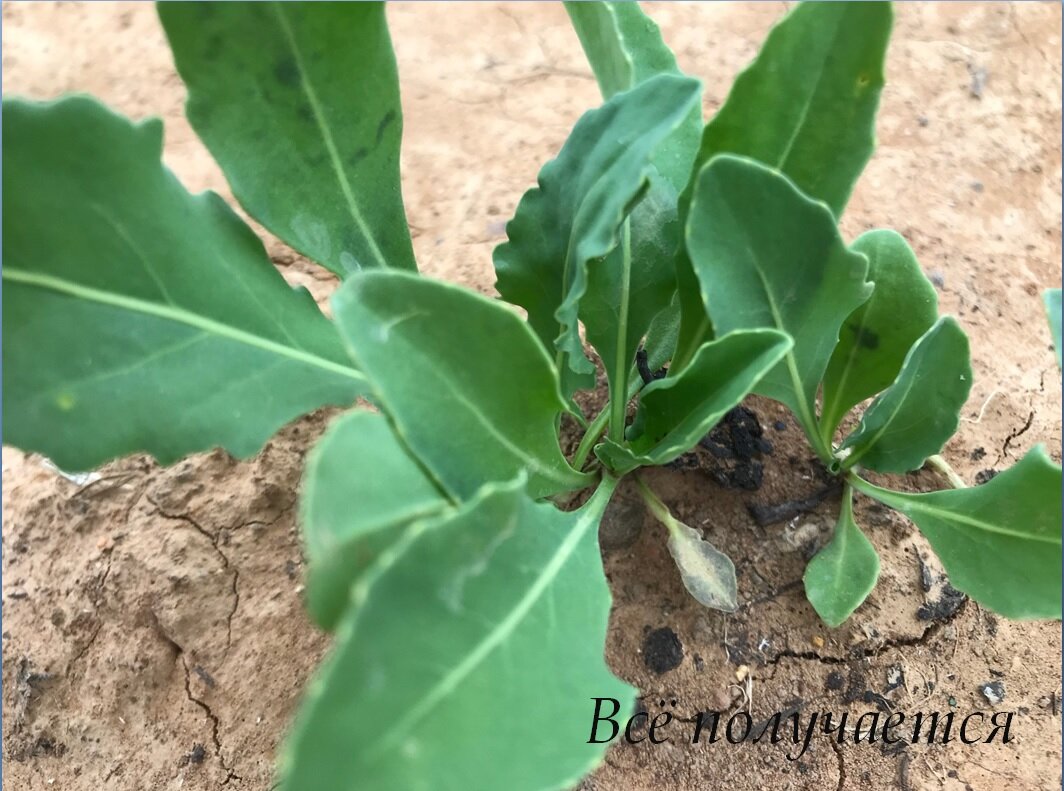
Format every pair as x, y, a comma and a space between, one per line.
842, 574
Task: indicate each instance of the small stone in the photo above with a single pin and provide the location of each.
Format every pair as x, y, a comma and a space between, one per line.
993, 691
817, 641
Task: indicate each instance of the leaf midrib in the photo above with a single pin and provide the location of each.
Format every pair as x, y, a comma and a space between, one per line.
177, 315
907, 504
530, 462
502, 630
326, 134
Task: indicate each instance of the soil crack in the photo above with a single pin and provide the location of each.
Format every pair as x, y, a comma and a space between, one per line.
213, 538
179, 653
923, 638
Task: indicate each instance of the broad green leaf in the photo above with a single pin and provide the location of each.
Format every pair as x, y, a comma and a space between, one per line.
574, 217
471, 392
842, 574
1000, 542
1052, 300
137, 317
914, 417
805, 107
876, 338
768, 256
625, 48
361, 490
469, 660
677, 411
629, 288
299, 104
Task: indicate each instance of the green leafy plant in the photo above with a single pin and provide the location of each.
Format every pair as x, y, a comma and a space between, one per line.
442, 552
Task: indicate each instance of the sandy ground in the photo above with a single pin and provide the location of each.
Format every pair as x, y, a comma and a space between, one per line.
154, 636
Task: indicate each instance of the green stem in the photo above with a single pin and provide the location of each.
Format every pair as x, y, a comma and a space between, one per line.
660, 511
603, 492
591, 436
940, 464
619, 387
598, 425
826, 431
859, 484
812, 433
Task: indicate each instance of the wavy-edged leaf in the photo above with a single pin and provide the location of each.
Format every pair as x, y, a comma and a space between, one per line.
630, 287
1052, 301
805, 107
470, 390
451, 652
876, 338
361, 491
574, 216
625, 48
676, 412
842, 574
768, 256
1000, 542
914, 417
138, 317
299, 104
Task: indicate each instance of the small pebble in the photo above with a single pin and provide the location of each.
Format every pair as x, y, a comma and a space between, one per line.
993, 691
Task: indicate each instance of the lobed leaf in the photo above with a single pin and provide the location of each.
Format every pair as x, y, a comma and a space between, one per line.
841, 575
805, 107
768, 256
876, 338
1000, 542
677, 411
1052, 302
574, 216
470, 391
299, 104
361, 491
138, 317
915, 416
451, 653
